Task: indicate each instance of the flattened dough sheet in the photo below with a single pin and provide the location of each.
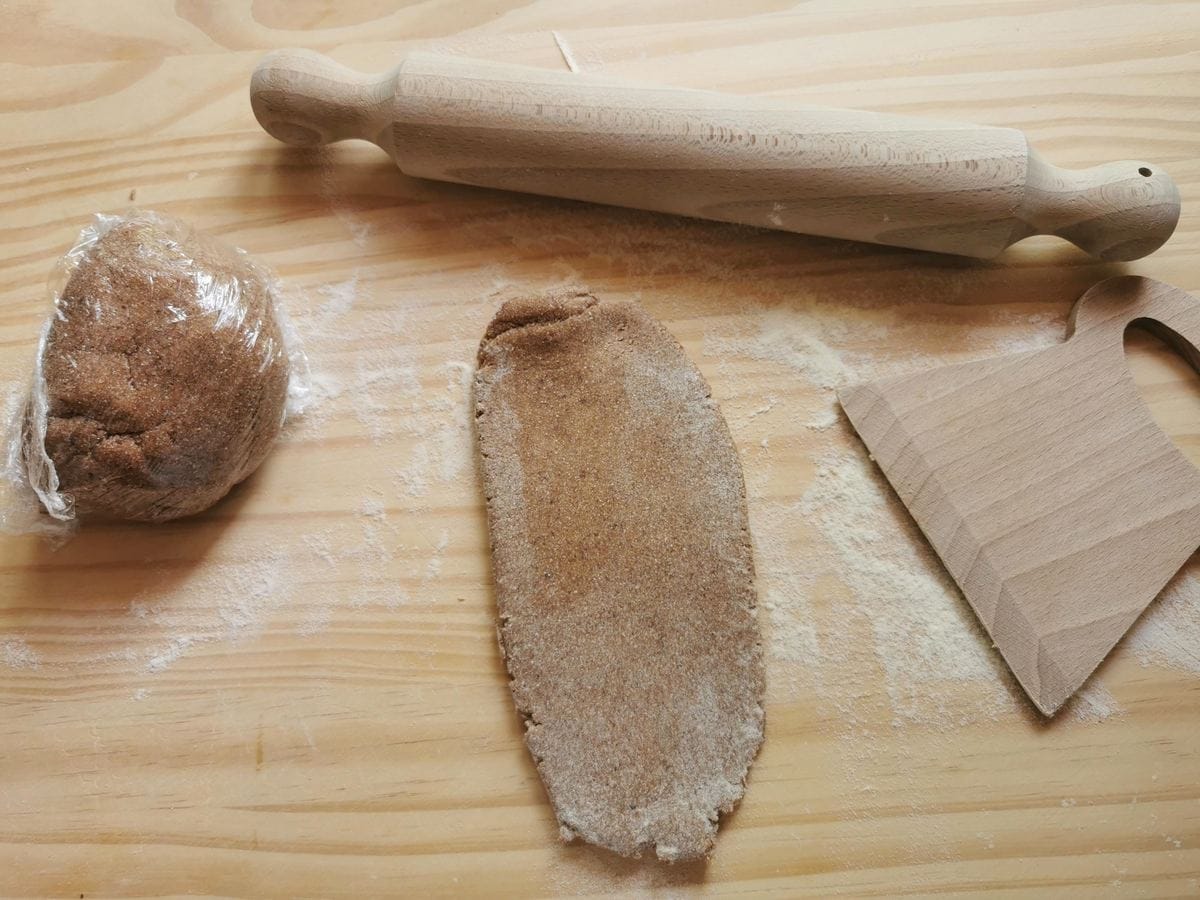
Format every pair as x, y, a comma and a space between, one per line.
623, 570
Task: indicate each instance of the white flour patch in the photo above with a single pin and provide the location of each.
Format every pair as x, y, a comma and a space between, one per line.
413, 478
1032, 332
386, 380
172, 652
17, 654
326, 387
324, 390
223, 601
438, 421
783, 587
854, 598
417, 414
316, 620
1168, 634
372, 508
925, 636
433, 568
359, 231
339, 299
792, 338
823, 419
317, 316
320, 548
1092, 703
772, 400
307, 577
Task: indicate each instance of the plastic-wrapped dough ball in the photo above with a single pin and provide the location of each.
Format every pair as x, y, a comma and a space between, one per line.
162, 377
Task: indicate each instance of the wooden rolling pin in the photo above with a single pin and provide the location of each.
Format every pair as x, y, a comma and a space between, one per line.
908, 182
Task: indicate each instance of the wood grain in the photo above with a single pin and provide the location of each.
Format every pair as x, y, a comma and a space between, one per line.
300, 694
903, 181
1054, 499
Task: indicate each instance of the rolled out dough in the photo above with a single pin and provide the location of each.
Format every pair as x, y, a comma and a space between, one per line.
623, 570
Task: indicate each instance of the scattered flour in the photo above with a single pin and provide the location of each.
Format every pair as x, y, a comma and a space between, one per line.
316, 620
784, 595
853, 599
359, 562
413, 478
1168, 634
772, 400
924, 635
339, 300
433, 568
437, 422
840, 564
1033, 332
17, 654
792, 337
360, 231
846, 529
1092, 703
842, 569
416, 412
221, 601
822, 420
175, 649
407, 404
372, 508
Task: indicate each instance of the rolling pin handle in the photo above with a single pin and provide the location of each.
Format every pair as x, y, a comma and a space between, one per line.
595, 139
1117, 211
305, 99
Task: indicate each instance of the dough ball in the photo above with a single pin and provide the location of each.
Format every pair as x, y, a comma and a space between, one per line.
165, 373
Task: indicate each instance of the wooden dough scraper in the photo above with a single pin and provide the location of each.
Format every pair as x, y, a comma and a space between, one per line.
1053, 498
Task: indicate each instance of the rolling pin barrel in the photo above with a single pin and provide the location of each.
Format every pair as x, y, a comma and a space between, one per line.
920, 183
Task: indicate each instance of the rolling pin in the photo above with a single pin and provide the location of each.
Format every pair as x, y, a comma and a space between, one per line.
949, 187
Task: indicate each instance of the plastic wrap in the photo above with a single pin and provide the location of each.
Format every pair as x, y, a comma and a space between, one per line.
161, 379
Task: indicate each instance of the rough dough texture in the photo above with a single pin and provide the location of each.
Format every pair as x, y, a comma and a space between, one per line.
165, 373
623, 571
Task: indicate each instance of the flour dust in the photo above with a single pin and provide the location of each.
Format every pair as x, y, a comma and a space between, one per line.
853, 596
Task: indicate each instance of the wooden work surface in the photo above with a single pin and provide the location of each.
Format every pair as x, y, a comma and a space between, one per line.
299, 693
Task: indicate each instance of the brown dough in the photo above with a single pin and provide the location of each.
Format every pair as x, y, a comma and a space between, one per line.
623, 569
165, 373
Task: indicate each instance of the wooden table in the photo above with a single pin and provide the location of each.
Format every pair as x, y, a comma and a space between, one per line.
299, 692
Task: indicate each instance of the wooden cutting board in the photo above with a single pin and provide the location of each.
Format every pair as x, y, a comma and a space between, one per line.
301, 694
1053, 497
